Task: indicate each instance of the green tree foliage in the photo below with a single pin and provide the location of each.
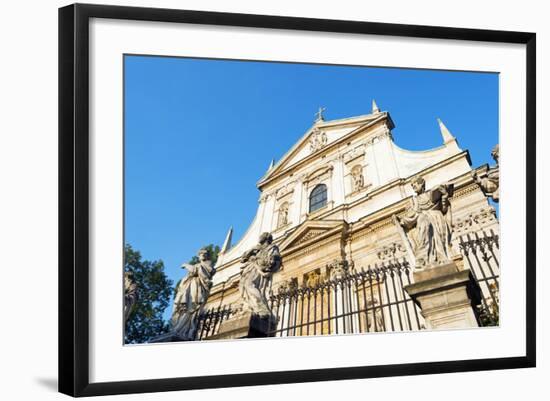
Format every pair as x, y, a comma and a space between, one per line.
489, 315
154, 291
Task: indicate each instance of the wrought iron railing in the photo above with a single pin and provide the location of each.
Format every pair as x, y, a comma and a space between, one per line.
210, 321
481, 255
371, 299
368, 300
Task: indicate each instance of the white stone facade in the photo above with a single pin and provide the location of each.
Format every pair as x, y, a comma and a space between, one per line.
367, 178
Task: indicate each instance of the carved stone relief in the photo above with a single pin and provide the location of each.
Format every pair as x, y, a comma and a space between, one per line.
474, 221
309, 235
337, 268
375, 321
312, 278
318, 140
391, 251
375, 138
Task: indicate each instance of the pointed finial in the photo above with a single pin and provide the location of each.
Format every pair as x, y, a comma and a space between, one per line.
445, 133
319, 115
227, 242
271, 164
375, 108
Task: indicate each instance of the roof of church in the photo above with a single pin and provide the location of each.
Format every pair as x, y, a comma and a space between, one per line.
348, 126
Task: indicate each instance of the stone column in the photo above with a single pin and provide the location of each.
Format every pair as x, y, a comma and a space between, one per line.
337, 181
447, 295
296, 212
339, 310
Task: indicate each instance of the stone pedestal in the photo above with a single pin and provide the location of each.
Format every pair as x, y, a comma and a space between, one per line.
245, 325
169, 338
447, 296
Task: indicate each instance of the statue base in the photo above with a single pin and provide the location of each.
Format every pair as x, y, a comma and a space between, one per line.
169, 338
447, 295
245, 325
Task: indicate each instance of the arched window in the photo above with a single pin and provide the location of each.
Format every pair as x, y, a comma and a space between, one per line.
318, 197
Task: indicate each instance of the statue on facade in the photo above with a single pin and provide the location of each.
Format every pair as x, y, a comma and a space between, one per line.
375, 319
424, 227
259, 264
357, 179
191, 295
490, 184
130, 295
283, 215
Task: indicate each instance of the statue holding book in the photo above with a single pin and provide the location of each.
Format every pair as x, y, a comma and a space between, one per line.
259, 264
190, 296
425, 227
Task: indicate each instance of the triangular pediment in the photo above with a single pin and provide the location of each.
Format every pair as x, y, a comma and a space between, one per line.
320, 136
312, 231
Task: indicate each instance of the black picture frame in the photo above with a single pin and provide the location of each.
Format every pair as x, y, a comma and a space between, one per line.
74, 198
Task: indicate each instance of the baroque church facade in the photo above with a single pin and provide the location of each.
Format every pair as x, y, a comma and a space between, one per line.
328, 203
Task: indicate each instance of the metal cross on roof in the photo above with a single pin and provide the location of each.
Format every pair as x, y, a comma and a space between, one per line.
319, 114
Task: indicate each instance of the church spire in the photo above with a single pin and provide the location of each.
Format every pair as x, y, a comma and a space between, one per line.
445, 133
375, 108
227, 242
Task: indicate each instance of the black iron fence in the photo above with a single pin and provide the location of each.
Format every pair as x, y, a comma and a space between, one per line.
371, 299
210, 321
368, 300
482, 256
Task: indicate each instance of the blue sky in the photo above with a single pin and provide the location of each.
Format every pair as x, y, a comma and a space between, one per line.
200, 133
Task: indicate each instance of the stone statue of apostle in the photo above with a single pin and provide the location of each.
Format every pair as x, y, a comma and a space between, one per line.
191, 295
259, 263
490, 184
130, 295
425, 221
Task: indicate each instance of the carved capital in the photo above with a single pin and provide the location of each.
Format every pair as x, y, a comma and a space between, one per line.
337, 268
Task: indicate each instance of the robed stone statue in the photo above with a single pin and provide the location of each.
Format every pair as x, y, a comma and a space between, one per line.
130, 295
491, 183
259, 263
191, 295
425, 226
